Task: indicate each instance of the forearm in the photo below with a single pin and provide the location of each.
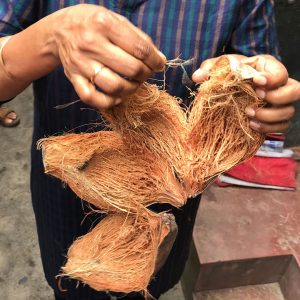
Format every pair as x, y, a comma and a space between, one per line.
26, 57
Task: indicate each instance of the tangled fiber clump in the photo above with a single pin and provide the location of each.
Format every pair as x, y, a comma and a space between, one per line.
98, 168
155, 153
111, 252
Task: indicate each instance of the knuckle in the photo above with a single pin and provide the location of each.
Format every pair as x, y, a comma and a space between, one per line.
66, 61
85, 97
87, 37
148, 39
284, 126
116, 87
291, 112
273, 96
130, 88
123, 19
106, 103
133, 87
103, 20
282, 72
285, 75
297, 90
268, 56
277, 94
74, 59
262, 128
135, 70
68, 74
142, 49
81, 6
277, 73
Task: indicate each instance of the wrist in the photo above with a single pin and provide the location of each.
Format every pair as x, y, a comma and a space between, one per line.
29, 54
3, 42
46, 29
50, 28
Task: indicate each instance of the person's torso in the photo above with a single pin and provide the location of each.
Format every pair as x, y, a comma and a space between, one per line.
192, 30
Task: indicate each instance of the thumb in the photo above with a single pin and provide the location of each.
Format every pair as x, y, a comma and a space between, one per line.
271, 70
202, 74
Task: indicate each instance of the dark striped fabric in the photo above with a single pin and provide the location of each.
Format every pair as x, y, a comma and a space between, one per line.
189, 29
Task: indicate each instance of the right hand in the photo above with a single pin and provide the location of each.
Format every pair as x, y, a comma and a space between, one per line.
99, 47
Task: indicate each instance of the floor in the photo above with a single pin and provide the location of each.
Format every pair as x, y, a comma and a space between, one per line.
21, 275
256, 292
246, 236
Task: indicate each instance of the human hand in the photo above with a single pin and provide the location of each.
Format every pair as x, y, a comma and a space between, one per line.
98, 47
272, 84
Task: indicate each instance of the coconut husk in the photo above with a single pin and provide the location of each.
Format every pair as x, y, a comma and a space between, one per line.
219, 133
151, 120
101, 170
156, 153
201, 142
119, 254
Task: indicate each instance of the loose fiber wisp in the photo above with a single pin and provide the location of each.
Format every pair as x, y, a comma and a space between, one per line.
156, 153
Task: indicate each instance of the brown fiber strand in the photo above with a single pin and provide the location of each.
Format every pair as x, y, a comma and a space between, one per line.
156, 153
119, 254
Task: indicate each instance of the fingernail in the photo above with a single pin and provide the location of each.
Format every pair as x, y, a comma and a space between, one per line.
118, 101
250, 112
200, 75
162, 56
261, 80
254, 124
261, 93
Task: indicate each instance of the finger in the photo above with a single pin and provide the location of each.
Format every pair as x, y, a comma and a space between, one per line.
89, 95
143, 34
107, 80
272, 114
283, 95
113, 84
132, 40
117, 60
202, 74
269, 128
273, 73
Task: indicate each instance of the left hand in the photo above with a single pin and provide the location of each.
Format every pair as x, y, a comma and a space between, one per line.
272, 84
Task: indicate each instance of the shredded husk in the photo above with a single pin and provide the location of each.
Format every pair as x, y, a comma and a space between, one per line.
151, 120
156, 153
101, 170
219, 134
119, 254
